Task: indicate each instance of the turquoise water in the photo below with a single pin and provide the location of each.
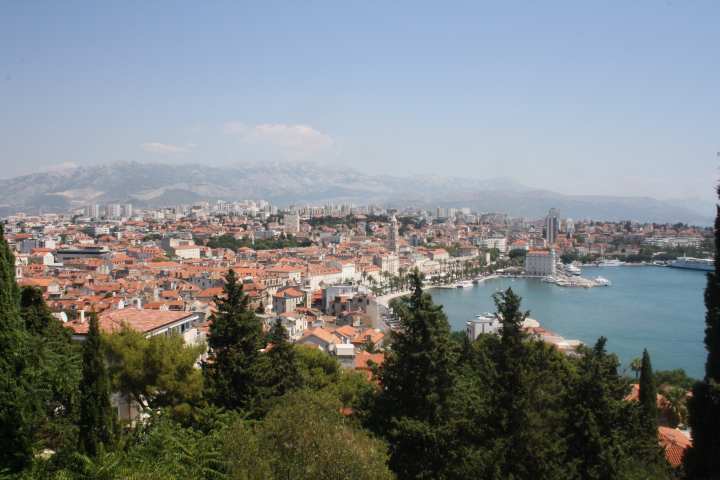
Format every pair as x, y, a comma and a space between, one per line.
660, 309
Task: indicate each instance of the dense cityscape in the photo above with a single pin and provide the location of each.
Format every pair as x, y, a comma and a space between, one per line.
359, 240
321, 277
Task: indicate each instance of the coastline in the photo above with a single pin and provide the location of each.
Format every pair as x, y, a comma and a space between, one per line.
665, 301
384, 300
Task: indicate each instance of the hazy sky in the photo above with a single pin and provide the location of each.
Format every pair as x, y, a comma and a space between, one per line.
579, 97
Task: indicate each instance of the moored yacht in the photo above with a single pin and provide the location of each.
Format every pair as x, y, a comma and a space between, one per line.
572, 269
610, 263
602, 282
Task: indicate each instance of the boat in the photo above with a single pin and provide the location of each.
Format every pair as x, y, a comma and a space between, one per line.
465, 284
610, 263
572, 269
602, 282
690, 263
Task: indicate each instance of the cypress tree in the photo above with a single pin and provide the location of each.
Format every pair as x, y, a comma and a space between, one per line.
703, 458
235, 339
647, 396
97, 416
17, 415
417, 378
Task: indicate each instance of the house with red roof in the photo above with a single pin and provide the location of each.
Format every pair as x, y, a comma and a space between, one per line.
287, 299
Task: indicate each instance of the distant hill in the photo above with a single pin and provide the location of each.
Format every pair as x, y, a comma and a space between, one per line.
297, 183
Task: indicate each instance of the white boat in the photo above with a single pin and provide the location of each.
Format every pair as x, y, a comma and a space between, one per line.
602, 282
690, 263
465, 284
610, 263
572, 269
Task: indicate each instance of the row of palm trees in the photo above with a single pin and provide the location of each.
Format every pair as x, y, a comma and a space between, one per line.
449, 272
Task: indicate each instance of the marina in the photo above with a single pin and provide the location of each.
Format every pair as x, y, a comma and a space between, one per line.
660, 309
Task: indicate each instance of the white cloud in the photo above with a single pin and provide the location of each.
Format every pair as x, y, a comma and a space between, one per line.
294, 140
166, 148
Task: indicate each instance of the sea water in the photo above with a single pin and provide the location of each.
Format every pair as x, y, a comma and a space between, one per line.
657, 308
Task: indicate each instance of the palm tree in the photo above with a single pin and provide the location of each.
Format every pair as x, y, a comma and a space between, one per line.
677, 404
635, 366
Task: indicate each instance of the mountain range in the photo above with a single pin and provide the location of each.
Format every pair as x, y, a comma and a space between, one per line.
283, 183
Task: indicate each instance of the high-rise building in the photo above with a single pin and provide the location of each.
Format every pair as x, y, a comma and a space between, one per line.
393, 238
128, 210
292, 223
569, 227
93, 211
552, 226
113, 210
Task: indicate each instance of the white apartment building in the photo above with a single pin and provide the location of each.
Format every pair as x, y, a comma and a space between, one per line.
481, 324
493, 242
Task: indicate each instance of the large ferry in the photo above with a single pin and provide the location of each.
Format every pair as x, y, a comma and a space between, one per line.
690, 263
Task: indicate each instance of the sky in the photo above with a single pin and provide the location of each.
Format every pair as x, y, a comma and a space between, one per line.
591, 97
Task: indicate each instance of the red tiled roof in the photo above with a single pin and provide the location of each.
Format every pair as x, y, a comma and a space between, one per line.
675, 444
143, 321
363, 358
322, 334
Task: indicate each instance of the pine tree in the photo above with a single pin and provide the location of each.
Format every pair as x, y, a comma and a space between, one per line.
527, 418
417, 379
56, 360
97, 416
17, 405
703, 459
231, 371
595, 400
647, 396
278, 368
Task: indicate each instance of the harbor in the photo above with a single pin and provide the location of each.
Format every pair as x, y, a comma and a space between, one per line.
660, 309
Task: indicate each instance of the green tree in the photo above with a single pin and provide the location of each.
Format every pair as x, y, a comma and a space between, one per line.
18, 411
647, 396
231, 374
315, 441
417, 378
278, 367
154, 372
703, 458
595, 438
674, 378
528, 446
317, 369
97, 416
57, 363
677, 403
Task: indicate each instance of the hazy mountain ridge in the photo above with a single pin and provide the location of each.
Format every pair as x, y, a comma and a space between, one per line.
299, 183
